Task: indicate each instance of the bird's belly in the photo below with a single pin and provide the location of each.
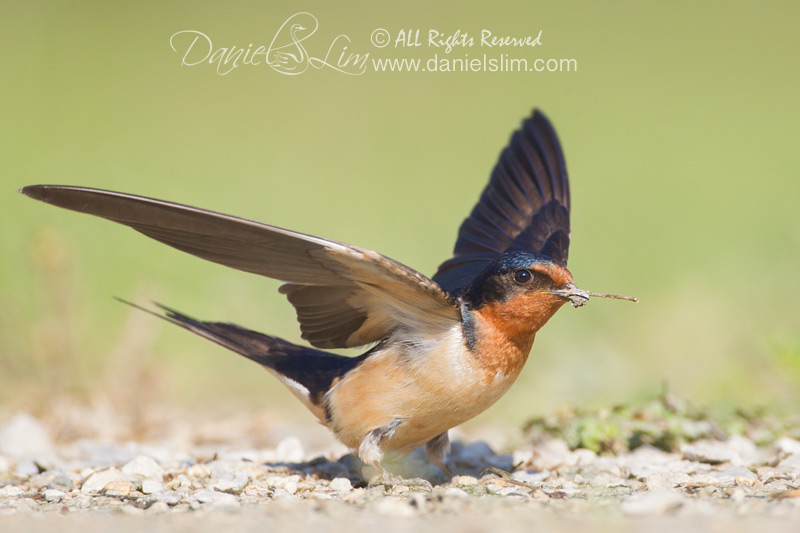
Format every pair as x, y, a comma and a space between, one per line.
438, 391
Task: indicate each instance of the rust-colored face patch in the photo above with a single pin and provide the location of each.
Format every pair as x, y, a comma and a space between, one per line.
560, 275
507, 330
522, 315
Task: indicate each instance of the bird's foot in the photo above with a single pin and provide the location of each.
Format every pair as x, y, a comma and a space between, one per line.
396, 484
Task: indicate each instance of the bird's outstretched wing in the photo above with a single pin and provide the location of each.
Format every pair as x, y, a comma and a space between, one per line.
525, 206
344, 296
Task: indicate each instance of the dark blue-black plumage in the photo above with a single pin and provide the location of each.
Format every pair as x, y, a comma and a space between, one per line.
525, 207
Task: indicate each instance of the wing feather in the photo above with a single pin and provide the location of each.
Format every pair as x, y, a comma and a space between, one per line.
344, 296
525, 206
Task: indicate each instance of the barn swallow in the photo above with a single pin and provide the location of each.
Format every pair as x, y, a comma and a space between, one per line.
444, 348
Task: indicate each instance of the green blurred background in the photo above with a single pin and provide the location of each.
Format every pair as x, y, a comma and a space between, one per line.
680, 129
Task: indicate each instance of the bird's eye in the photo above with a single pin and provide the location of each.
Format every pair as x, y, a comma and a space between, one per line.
523, 276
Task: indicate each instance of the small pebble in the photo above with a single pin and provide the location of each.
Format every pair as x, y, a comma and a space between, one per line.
464, 481
53, 495
149, 486
656, 502
26, 468
54, 479
551, 454
10, 491
666, 480
710, 452
790, 465
341, 484
23, 436
787, 446
158, 507
765, 473
97, 481
143, 468
392, 506
118, 488
730, 475
215, 499
455, 492
290, 450
169, 497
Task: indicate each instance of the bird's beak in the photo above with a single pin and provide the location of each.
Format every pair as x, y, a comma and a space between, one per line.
579, 297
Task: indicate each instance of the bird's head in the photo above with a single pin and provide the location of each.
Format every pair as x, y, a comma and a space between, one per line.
522, 290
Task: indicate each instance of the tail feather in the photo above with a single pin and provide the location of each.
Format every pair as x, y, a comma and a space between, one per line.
314, 370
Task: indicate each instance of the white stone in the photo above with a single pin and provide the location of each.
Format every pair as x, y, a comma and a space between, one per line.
51, 479
787, 446
150, 486
234, 483
159, 507
280, 494
656, 502
169, 497
24, 436
701, 480
341, 484
290, 486
790, 465
665, 480
26, 468
391, 506
54, 495
455, 492
278, 482
11, 491
216, 499
199, 471
512, 491
144, 467
552, 454
99, 480
645, 461
520, 457
711, 452
730, 475
225, 478
582, 456
528, 476
464, 481
290, 450
745, 448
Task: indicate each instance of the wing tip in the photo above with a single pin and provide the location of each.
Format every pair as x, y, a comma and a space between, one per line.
32, 191
47, 193
538, 114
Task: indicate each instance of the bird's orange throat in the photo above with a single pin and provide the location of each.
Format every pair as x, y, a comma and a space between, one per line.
507, 330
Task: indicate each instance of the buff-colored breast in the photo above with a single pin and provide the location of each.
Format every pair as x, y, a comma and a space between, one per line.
440, 385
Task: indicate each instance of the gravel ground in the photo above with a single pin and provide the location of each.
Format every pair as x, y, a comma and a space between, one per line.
98, 481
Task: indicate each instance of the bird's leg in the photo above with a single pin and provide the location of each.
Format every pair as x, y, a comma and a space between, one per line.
370, 452
370, 449
437, 449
